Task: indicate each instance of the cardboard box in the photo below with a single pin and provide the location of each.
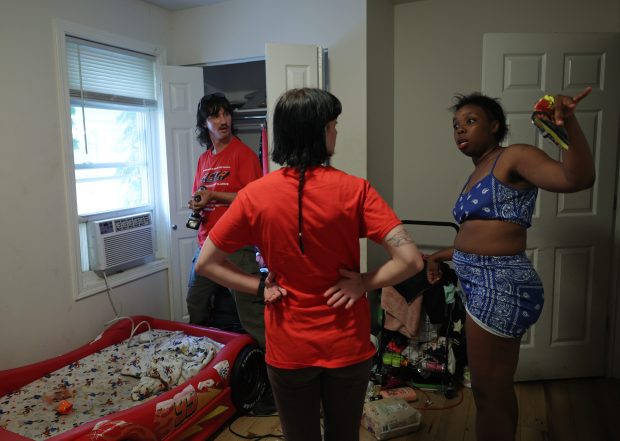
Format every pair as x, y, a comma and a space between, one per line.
390, 417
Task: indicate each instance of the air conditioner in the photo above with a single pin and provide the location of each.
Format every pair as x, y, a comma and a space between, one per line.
120, 243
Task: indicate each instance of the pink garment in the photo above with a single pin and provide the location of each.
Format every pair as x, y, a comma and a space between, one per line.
399, 315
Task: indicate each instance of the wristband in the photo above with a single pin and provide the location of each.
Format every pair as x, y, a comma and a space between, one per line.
260, 293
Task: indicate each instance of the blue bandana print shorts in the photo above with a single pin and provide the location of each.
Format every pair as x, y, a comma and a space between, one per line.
503, 294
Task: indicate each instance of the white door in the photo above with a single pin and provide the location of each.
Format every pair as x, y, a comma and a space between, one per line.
290, 66
183, 88
570, 242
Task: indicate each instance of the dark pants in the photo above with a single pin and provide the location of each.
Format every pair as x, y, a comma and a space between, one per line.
210, 304
300, 392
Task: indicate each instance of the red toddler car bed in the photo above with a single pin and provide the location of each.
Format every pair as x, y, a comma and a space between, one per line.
113, 389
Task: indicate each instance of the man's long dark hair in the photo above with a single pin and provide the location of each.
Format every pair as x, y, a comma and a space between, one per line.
210, 105
299, 128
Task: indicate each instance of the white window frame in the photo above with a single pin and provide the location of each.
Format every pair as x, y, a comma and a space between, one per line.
87, 283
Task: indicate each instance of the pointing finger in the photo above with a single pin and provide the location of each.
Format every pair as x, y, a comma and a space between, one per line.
582, 95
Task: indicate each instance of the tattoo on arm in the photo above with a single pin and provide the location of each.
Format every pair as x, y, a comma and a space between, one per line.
399, 238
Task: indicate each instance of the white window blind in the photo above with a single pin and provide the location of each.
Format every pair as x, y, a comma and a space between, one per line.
105, 73
113, 109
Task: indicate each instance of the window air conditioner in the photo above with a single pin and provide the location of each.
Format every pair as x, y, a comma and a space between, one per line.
121, 243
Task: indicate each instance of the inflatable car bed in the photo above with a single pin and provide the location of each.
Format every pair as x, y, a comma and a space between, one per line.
142, 379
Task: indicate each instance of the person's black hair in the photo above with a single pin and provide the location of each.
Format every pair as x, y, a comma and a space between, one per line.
490, 106
300, 120
210, 105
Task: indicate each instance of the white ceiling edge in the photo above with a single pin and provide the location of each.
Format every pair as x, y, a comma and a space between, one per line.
177, 5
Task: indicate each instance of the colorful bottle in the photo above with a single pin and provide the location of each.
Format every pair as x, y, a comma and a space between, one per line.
433, 366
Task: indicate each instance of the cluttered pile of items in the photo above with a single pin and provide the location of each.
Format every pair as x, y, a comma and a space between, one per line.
421, 347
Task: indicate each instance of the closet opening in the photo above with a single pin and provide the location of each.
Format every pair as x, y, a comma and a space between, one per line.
244, 84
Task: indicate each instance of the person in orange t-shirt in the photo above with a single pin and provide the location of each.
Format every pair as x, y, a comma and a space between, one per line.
307, 219
223, 169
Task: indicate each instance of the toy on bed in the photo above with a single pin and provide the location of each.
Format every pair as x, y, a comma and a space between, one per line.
142, 379
542, 118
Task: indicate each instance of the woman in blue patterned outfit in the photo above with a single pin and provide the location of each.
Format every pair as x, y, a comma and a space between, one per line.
503, 293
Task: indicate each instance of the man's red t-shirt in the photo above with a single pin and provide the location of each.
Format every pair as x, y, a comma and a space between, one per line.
338, 210
228, 171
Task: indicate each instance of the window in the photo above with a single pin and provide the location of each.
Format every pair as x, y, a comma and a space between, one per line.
112, 96
112, 133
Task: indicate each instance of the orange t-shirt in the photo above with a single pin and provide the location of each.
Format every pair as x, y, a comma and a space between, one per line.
228, 171
338, 209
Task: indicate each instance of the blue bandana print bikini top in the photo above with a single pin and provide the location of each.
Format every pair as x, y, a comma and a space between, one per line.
492, 199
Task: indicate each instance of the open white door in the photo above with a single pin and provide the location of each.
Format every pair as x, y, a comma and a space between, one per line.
182, 90
290, 66
570, 242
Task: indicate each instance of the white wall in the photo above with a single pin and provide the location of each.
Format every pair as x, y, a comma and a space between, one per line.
38, 316
380, 95
239, 29
380, 130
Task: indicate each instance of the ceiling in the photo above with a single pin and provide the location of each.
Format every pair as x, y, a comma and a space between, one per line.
176, 5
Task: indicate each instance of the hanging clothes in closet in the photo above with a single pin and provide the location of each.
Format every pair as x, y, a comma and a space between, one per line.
250, 126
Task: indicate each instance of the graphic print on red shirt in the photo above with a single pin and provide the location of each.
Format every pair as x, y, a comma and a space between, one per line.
227, 171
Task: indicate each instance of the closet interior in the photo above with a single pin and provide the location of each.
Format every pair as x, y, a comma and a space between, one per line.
244, 84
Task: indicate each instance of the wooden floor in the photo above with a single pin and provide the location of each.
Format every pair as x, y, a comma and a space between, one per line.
560, 410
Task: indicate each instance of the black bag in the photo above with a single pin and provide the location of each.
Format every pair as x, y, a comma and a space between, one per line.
434, 301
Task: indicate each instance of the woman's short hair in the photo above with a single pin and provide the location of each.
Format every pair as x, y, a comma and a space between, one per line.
490, 106
299, 121
210, 105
